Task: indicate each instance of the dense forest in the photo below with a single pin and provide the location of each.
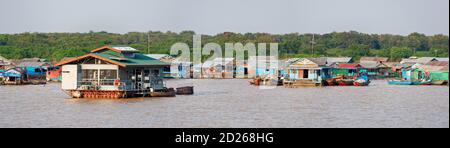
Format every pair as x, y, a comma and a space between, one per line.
54, 46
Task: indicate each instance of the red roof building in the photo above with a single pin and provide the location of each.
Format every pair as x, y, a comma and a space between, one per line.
349, 66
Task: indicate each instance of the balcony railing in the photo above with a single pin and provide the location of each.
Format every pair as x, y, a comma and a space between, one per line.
95, 84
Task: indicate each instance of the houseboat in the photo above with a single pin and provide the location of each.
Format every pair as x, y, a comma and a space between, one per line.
375, 67
265, 70
54, 74
24, 75
345, 74
14, 76
431, 73
307, 72
218, 68
114, 72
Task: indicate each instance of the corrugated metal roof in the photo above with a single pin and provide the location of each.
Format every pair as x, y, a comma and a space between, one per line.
32, 64
372, 64
218, 61
442, 59
376, 59
393, 64
433, 68
124, 48
332, 60
319, 61
438, 63
137, 60
119, 58
158, 56
421, 60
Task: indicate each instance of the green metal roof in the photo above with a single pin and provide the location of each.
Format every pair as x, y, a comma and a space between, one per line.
137, 60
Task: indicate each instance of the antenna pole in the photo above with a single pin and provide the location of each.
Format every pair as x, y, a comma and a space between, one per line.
313, 42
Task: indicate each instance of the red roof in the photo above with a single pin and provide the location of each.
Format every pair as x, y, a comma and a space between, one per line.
349, 66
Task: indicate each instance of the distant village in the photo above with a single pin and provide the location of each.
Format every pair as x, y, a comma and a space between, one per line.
128, 72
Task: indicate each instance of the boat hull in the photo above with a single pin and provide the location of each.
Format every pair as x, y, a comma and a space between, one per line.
170, 92
361, 84
188, 90
345, 82
422, 83
97, 94
331, 82
399, 82
439, 82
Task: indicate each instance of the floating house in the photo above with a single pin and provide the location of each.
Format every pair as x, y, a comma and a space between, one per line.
112, 72
263, 66
242, 69
375, 70
183, 70
395, 69
436, 71
54, 73
14, 76
163, 57
346, 69
36, 69
308, 72
375, 67
219, 68
425, 69
177, 69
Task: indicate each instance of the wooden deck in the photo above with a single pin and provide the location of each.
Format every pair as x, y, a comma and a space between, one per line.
301, 83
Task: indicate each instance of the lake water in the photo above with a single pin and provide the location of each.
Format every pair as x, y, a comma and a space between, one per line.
233, 103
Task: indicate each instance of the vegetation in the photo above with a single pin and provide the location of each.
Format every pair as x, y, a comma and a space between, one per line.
54, 46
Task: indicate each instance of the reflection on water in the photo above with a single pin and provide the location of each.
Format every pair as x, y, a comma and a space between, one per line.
233, 103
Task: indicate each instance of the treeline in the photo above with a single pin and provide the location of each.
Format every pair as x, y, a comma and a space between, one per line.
54, 46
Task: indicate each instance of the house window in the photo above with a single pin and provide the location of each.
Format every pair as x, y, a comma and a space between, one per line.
155, 73
89, 74
108, 74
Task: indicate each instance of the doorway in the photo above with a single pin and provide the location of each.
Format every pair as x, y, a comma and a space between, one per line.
305, 74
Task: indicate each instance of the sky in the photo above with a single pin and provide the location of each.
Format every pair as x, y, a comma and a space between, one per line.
216, 16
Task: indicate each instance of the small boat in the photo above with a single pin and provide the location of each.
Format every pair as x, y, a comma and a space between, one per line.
345, 82
399, 82
361, 83
439, 82
256, 81
422, 82
331, 82
168, 92
187, 90
362, 80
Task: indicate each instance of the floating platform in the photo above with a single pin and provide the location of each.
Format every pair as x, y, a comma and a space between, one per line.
121, 94
301, 83
187, 90
99, 94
